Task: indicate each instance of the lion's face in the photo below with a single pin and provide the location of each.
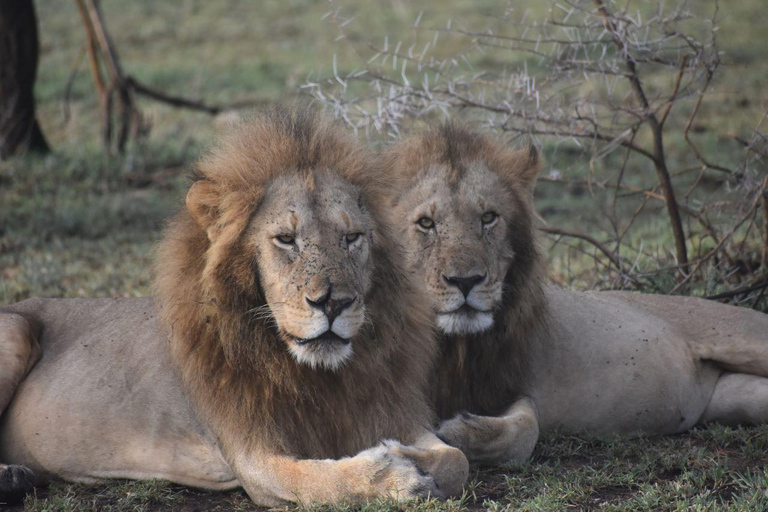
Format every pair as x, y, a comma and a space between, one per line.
313, 245
457, 241
464, 207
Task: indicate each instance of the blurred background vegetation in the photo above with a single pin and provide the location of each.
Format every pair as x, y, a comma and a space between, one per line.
81, 222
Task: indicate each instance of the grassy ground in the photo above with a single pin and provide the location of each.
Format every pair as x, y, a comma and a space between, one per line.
710, 469
75, 224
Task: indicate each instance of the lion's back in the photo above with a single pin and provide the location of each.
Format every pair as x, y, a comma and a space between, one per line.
102, 393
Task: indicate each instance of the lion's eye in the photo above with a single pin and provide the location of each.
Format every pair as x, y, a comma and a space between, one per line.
352, 237
286, 239
426, 223
488, 218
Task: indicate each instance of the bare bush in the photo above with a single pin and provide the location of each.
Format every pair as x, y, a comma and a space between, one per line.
624, 86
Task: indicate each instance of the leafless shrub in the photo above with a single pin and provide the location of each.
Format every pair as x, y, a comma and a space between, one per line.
624, 86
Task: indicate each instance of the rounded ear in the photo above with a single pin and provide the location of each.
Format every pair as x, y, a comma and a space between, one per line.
523, 165
530, 170
203, 205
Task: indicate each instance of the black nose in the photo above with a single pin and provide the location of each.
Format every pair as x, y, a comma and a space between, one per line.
332, 307
465, 284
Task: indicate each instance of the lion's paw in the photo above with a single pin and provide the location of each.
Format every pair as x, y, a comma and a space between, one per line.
463, 430
395, 473
15, 483
491, 440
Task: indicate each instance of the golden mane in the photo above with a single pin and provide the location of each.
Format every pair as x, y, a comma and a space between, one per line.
239, 374
484, 373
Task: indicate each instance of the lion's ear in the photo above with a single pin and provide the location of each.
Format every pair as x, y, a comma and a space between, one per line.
202, 204
523, 165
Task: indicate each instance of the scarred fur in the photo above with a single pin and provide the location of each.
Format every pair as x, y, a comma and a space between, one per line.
206, 289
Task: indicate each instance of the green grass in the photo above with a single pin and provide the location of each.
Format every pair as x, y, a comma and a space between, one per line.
74, 224
708, 469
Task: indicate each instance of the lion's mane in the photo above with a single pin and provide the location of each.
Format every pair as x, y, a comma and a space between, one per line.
483, 373
239, 374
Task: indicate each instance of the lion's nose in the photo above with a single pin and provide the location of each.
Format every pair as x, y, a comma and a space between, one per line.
464, 284
332, 307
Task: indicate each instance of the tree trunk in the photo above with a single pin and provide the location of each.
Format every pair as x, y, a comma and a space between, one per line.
19, 130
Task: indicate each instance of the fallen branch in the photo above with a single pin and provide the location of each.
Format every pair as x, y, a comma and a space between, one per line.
760, 284
177, 101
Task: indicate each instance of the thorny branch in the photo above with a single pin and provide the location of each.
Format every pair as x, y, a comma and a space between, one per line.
656, 126
589, 78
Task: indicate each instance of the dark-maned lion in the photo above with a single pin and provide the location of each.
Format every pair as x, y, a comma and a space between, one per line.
516, 355
297, 343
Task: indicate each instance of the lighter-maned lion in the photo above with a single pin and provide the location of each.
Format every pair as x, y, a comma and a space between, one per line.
291, 357
517, 355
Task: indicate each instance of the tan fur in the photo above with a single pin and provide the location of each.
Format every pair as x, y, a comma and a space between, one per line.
207, 286
284, 430
206, 290
621, 363
499, 355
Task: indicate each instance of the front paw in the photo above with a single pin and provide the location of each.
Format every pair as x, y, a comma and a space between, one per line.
461, 431
488, 440
396, 475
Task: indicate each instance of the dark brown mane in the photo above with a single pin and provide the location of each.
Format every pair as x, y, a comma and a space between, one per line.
459, 147
239, 374
484, 373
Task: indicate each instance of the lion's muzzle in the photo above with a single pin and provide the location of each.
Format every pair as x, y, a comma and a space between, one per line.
326, 337
467, 304
335, 316
330, 306
464, 283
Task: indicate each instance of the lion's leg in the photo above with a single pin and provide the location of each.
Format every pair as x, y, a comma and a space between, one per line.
389, 470
734, 338
738, 353
738, 399
19, 351
490, 440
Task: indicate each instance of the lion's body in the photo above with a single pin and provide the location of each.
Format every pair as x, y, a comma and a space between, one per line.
633, 364
286, 325
597, 362
618, 363
104, 401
